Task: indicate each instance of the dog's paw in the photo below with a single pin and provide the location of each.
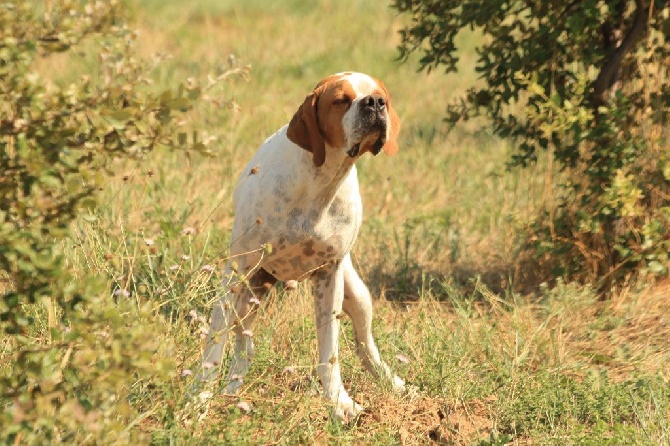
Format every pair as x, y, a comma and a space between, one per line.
200, 391
405, 390
234, 386
204, 396
344, 408
347, 412
399, 384
196, 407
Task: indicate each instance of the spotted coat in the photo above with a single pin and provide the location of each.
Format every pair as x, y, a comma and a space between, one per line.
298, 211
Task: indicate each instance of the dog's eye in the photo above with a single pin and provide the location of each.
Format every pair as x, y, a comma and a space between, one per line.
344, 100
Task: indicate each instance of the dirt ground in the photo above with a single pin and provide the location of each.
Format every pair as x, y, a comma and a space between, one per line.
415, 420
425, 420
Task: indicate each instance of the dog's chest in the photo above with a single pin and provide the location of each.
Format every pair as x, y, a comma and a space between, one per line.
309, 216
307, 237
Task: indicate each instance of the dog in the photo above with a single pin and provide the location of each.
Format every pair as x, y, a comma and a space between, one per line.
298, 211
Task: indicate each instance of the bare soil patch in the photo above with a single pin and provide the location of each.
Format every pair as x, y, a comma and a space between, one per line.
427, 420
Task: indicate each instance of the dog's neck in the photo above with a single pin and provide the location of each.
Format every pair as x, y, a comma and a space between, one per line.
330, 177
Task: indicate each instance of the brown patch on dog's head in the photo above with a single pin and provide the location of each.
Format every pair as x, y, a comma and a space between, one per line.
318, 121
390, 147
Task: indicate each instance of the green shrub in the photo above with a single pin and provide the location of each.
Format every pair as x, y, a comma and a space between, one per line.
67, 379
587, 81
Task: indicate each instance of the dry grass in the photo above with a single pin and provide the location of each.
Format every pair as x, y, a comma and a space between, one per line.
438, 248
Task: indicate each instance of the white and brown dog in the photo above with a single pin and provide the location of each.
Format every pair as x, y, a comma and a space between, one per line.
300, 196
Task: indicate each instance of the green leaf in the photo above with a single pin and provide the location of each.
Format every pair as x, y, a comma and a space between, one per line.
118, 118
179, 104
203, 150
535, 90
51, 180
73, 185
666, 171
88, 203
165, 97
194, 93
656, 267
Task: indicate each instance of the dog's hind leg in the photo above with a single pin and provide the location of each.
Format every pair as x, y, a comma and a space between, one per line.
217, 337
245, 306
235, 311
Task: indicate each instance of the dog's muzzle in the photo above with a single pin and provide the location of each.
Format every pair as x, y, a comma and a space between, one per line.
353, 152
376, 147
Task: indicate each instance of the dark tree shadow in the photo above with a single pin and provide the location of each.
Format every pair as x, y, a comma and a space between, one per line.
407, 283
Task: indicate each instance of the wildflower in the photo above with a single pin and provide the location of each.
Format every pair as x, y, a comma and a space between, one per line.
121, 292
189, 230
244, 406
148, 242
208, 268
402, 358
186, 372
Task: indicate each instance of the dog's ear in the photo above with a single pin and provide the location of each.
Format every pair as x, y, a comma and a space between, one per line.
304, 129
391, 145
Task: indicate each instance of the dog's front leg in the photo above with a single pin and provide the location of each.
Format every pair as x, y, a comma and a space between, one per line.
328, 296
358, 305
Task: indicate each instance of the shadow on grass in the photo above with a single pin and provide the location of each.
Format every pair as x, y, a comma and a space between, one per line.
414, 282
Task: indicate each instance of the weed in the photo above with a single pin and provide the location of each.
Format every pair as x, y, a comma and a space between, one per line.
437, 248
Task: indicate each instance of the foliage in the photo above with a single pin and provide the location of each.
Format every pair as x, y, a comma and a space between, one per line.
56, 145
485, 363
589, 81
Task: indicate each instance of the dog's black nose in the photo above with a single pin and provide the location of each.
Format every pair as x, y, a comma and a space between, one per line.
374, 102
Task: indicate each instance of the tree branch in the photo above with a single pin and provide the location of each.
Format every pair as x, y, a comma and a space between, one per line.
613, 61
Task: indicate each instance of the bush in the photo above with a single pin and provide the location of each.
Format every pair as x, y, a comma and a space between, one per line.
69, 380
587, 81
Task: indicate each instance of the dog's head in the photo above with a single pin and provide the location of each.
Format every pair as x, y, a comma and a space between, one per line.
346, 111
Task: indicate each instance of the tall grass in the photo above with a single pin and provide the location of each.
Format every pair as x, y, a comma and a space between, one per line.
438, 249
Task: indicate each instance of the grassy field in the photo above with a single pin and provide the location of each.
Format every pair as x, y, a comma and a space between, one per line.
495, 361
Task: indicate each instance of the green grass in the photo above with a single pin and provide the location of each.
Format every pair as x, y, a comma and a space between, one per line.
438, 249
